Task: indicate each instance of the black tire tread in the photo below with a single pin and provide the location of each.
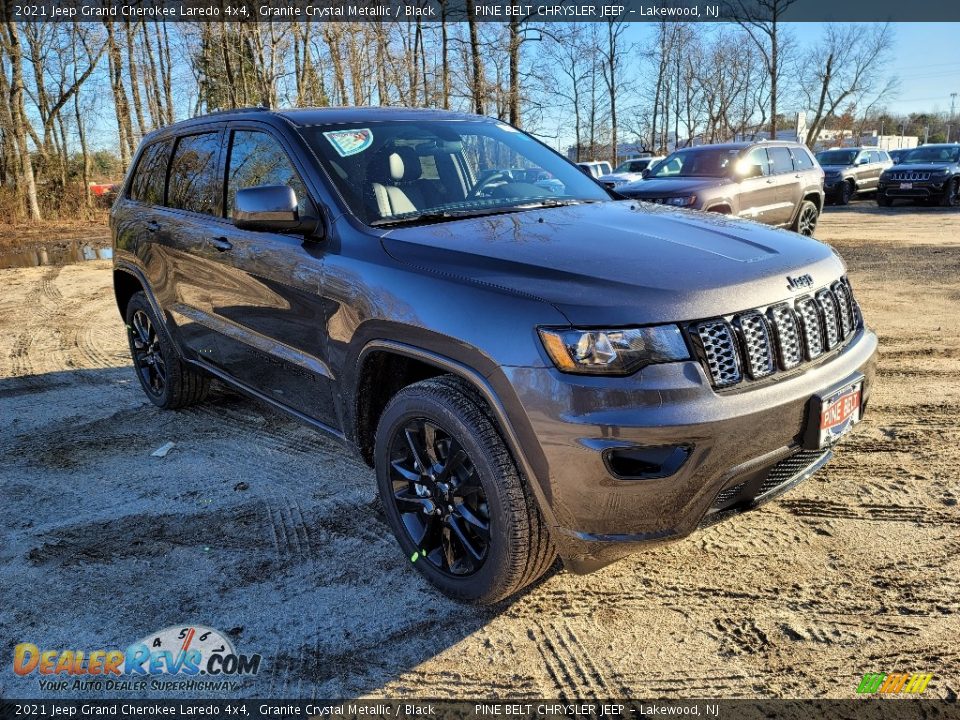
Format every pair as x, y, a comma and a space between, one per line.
534, 551
186, 385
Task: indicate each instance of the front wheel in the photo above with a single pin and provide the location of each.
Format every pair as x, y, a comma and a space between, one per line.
806, 221
846, 193
453, 497
951, 196
883, 200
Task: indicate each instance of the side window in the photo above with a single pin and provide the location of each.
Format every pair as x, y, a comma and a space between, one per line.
884, 157
781, 160
256, 159
875, 156
194, 184
151, 172
802, 159
758, 156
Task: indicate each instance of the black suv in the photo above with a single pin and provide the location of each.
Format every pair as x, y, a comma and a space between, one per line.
851, 171
777, 183
928, 174
530, 371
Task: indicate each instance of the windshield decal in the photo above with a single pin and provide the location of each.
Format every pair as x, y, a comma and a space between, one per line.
350, 142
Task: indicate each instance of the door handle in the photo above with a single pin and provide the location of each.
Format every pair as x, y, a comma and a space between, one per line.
152, 225
221, 243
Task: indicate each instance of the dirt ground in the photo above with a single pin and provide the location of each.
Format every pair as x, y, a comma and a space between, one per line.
259, 527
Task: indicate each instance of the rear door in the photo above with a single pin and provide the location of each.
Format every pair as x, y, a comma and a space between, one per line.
758, 195
787, 181
270, 305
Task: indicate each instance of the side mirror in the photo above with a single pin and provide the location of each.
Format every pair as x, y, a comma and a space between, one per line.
752, 171
645, 173
863, 161
270, 208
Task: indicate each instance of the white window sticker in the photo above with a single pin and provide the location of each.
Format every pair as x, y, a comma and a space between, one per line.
350, 142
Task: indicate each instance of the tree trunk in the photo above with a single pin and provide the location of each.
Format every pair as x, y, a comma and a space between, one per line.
444, 49
19, 116
477, 80
120, 102
514, 51
134, 76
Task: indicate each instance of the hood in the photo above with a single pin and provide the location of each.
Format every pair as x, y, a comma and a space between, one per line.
616, 263
665, 187
920, 167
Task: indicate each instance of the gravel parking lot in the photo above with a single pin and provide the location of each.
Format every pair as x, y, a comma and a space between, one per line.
260, 527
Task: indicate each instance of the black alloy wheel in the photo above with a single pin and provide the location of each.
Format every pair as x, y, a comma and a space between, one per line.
846, 193
439, 497
951, 196
147, 355
807, 219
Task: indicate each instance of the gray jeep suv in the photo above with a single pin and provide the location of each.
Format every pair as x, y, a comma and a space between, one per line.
851, 171
530, 374
777, 183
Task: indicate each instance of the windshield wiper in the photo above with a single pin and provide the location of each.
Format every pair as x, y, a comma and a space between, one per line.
436, 216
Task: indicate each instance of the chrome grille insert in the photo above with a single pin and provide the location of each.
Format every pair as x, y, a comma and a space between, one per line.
910, 175
787, 334
757, 345
828, 306
809, 315
720, 352
776, 338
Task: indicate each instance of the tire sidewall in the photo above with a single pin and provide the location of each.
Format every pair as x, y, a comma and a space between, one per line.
139, 302
410, 405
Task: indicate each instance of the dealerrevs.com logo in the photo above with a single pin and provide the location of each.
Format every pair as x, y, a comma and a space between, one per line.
194, 656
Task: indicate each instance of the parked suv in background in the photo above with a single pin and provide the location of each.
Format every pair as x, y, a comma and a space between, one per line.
850, 171
776, 183
596, 168
529, 374
629, 171
928, 174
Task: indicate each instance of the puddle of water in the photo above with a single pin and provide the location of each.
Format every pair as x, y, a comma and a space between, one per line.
64, 253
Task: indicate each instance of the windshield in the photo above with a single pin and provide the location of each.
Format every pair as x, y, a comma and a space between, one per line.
634, 166
837, 157
390, 171
702, 162
932, 154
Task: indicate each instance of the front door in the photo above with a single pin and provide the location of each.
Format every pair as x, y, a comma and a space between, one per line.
758, 194
270, 307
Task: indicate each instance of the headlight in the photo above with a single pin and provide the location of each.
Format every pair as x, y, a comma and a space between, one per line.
613, 352
681, 201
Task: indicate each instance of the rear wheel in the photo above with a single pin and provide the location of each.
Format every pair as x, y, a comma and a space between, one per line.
167, 380
806, 221
453, 496
951, 196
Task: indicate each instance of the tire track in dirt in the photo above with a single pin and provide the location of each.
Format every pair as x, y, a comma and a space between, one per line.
37, 347
568, 662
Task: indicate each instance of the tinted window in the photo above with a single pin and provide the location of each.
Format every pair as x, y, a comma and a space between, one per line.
258, 159
781, 159
883, 157
802, 159
875, 156
837, 157
151, 172
194, 184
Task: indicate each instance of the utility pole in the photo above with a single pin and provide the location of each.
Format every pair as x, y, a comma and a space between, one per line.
953, 104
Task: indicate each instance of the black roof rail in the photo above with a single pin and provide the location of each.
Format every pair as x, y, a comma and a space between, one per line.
249, 108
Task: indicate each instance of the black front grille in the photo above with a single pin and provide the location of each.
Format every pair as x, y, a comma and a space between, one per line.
756, 344
790, 469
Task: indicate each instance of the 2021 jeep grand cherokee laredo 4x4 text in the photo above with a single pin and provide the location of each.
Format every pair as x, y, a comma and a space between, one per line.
529, 373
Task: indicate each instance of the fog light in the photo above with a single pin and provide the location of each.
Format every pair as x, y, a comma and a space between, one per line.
641, 463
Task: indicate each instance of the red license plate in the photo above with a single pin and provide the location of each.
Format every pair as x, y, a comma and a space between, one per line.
839, 413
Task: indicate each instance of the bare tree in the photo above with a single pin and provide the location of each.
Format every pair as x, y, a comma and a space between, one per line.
13, 51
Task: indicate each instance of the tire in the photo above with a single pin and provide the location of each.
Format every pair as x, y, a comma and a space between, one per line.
807, 217
951, 196
883, 200
167, 380
846, 193
484, 488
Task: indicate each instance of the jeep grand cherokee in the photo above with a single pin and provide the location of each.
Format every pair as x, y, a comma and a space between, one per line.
529, 373
776, 183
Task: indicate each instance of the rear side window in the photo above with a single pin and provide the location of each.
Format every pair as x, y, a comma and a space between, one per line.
151, 172
194, 184
780, 159
258, 159
875, 156
802, 159
883, 157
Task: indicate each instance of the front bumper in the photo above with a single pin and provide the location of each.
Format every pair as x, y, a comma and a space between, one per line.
918, 190
732, 441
